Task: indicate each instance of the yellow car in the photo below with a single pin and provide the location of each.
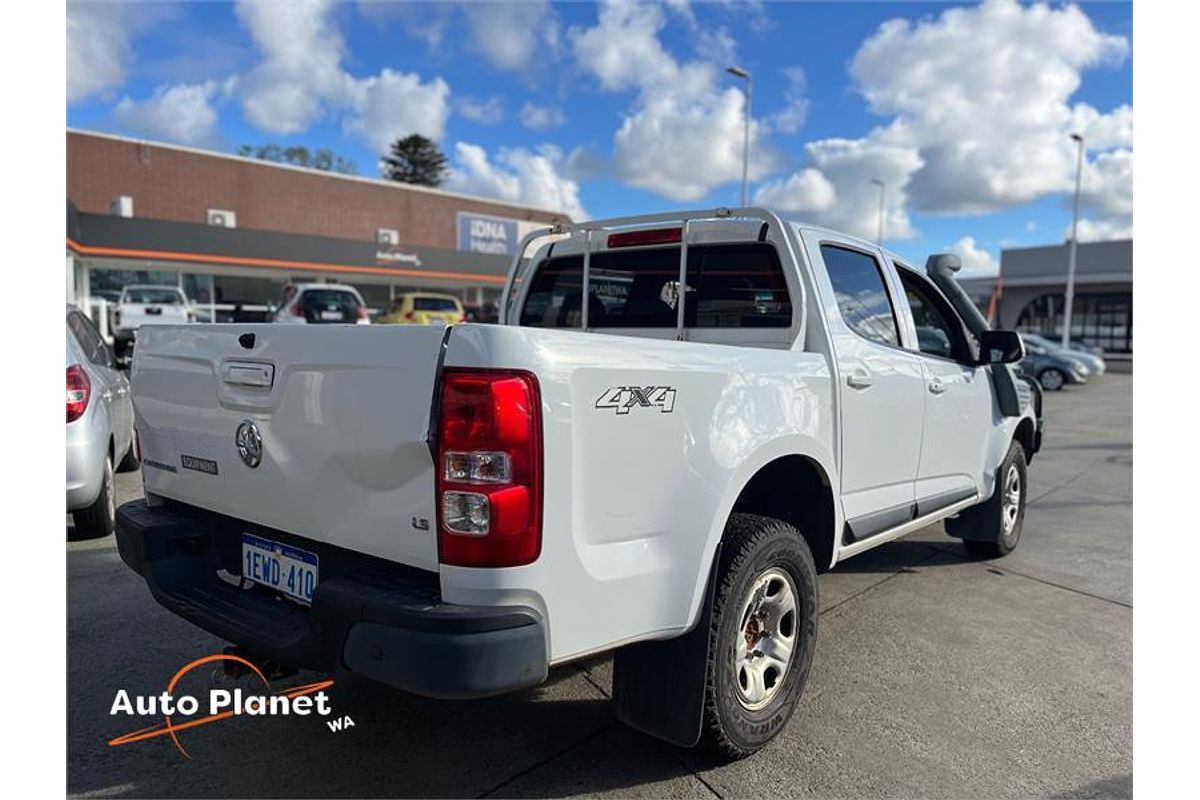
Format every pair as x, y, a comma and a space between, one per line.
424, 309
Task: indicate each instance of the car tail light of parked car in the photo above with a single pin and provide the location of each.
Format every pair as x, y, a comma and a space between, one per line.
363, 313
489, 468
79, 392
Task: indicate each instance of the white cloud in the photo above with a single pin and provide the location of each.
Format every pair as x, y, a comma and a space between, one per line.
301, 78
1103, 131
1106, 197
976, 261
541, 118
97, 48
794, 114
513, 35
517, 175
978, 100
682, 118
848, 166
394, 104
682, 149
183, 113
301, 69
1103, 230
485, 112
984, 92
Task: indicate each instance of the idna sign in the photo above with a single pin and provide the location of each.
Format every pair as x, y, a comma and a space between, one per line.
479, 233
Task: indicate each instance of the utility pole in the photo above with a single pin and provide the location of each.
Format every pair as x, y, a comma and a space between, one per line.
1069, 300
745, 75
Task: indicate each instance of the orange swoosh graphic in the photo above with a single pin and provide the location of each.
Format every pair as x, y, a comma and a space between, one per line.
170, 728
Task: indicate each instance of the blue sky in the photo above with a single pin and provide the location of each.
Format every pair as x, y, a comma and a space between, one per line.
614, 109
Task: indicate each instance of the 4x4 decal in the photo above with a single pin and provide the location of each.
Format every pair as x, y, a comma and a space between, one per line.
623, 398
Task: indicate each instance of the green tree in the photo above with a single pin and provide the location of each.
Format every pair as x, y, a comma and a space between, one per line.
414, 159
300, 156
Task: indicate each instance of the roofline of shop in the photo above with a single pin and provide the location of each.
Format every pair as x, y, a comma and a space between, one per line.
273, 263
405, 187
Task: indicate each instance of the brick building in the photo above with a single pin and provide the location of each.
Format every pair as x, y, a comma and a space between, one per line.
232, 231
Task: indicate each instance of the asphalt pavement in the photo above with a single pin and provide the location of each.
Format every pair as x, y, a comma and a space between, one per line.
935, 677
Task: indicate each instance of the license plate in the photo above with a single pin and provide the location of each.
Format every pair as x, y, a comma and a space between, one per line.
286, 569
331, 315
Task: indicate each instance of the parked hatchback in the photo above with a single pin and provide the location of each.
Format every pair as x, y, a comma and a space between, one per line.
322, 304
419, 308
1093, 363
1052, 369
100, 437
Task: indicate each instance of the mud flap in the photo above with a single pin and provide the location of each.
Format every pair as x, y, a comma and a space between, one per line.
658, 687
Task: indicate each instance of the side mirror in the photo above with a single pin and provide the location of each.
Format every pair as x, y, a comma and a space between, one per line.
1000, 347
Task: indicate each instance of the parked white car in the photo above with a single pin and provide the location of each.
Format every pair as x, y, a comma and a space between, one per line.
454, 511
100, 437
147, 305
322, 304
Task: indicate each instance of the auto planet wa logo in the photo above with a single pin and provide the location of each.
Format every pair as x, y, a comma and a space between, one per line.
185, 711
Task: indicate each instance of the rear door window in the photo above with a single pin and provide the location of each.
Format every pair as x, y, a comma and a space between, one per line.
862, 295
728, 286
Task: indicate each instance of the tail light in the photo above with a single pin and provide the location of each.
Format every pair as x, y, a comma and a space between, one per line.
408, 315
79, 392
363, 314
137, 444
297, 310
489, 468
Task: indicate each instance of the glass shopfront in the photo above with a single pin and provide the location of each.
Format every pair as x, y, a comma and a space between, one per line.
1101, 319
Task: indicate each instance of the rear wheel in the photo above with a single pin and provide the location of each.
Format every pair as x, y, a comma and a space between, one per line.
764, 631
1052, 379
100, 518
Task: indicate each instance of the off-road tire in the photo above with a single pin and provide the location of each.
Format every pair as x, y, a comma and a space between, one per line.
100, 518
753, 547
985, 523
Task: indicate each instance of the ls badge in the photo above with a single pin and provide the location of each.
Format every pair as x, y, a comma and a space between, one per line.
623, 398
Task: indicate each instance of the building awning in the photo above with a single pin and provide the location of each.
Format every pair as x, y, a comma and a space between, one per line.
103, 236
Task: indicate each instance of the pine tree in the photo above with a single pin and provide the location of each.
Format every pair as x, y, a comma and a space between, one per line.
414, 159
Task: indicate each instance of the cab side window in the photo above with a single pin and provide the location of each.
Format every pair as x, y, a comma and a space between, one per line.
862, 295
939, 332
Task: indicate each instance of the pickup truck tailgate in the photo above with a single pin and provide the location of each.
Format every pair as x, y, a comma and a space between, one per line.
343, 414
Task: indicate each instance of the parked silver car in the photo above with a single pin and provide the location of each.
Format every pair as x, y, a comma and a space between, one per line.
1095, 364
100, 436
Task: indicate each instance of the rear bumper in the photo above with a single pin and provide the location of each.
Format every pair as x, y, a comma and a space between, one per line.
378, 619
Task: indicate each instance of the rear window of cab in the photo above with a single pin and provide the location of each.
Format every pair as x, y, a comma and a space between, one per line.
728, 286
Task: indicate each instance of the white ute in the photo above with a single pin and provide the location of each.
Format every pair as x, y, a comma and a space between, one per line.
660, 470
147, 305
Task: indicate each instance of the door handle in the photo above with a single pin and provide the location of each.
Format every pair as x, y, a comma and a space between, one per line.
859, 380
936, 386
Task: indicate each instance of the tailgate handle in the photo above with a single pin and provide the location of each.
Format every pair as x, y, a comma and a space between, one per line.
260, 376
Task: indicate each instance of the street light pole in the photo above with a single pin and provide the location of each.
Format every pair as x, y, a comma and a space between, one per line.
1069, 300
745, 75
879, 230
